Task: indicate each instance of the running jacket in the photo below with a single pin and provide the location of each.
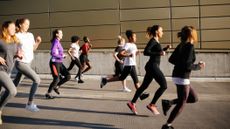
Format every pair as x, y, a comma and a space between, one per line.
153, 49
57, 52
183, 58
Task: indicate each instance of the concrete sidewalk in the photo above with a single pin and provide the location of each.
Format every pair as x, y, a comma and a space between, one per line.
87, 106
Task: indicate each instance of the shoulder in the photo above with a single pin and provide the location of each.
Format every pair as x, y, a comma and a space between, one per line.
189, 46
73, 45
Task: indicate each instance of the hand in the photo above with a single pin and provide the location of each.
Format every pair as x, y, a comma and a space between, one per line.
163, 53
169, 46
18, 56
201, 64
38, 39
72, 58
130, 55
121, 61
2, 61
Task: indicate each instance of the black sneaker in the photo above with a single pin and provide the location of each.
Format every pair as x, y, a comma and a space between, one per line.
144, 96
165, 106
80, 81
56, 90
166, 127
48, 96
103, 82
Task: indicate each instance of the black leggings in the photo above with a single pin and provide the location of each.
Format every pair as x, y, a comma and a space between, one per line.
76, 62
129, 70
185, 94
58, 70
152, 71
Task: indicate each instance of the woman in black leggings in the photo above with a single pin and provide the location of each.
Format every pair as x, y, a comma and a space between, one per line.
183, 58
154, 50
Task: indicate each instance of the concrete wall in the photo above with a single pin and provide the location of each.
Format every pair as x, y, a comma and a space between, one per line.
103, 20
217, 63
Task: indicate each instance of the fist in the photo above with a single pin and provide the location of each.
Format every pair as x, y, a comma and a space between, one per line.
38, 39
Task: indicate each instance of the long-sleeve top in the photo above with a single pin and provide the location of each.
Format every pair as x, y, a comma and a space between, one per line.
57, 52
153, 49
183, 58
7, 52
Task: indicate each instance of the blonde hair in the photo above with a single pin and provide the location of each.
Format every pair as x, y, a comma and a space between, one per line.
5, 33
188, 33
120, 39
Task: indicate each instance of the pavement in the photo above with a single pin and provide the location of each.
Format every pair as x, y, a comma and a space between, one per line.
87, 106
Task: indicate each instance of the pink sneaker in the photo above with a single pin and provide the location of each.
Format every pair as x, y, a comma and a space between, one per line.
153, 109
132, 107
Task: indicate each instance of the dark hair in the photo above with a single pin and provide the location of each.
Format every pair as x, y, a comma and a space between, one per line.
153, 30
148, 30
20, 21
129, 34
54, 34
4, 34
6, 24
85, 39
74, 39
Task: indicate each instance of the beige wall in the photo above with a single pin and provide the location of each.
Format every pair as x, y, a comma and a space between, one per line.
103, 20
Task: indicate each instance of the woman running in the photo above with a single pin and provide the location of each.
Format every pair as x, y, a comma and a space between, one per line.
183, 59
85, 48
152, 68
129, 52
74, 54
8, 50
56, 64
27, 47
119, 62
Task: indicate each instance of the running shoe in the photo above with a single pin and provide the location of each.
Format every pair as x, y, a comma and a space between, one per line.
32, 107
132, 107
144, 96
153, 109
165, 106
103, 82
48, 96
76, 79
80, 81
56, 90
126, 89
166, 127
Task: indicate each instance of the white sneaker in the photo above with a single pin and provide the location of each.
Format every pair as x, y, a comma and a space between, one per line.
32, 107
126, 90
76, 79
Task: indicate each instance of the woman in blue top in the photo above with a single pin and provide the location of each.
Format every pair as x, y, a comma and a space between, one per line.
56, 64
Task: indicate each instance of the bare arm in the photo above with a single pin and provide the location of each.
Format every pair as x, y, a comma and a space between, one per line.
70, 54
116, 58
38, 40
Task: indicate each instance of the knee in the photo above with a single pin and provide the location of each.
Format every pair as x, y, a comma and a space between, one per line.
13, 92
56, 79
37, 79
164, 87
68, 77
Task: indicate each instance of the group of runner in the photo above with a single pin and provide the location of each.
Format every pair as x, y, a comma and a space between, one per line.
17, 46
